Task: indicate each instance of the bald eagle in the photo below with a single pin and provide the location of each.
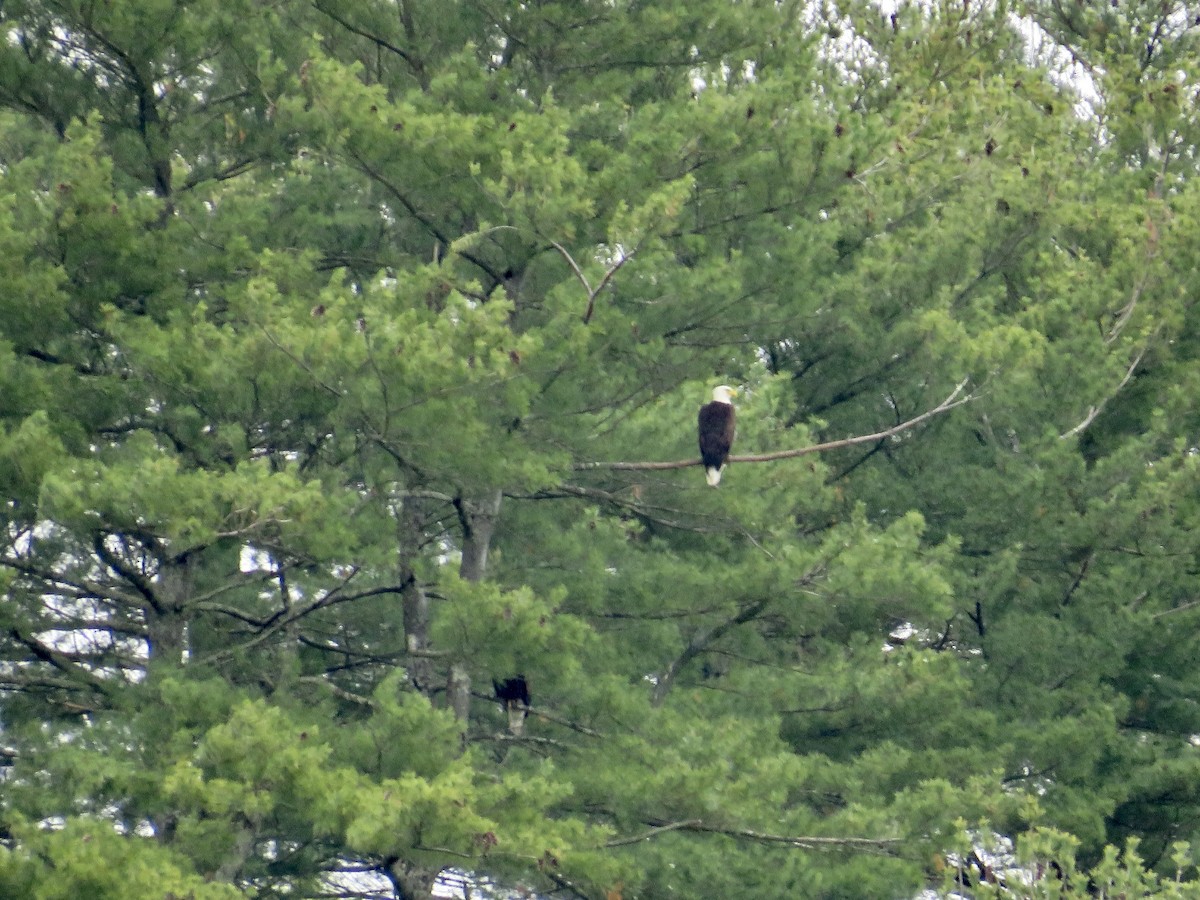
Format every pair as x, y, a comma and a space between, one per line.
513, 694
716, 421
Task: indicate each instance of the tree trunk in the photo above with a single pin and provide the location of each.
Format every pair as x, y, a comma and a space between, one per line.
411, 882
478, 518
413, 599
416, 631
231, 867
166, 625
458, 692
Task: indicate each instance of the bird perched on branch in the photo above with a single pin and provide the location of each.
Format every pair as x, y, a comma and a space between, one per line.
717, 427
513, 694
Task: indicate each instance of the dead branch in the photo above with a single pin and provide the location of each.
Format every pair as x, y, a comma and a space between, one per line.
566, 723
700, 643
805, 842
1183, 607
653, 833
604, 280
285, 616
527, 739
76, 672
546, 715
949, 403
339, 692
1094, 411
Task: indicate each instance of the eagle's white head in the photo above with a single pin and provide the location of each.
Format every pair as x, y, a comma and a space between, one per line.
723, 393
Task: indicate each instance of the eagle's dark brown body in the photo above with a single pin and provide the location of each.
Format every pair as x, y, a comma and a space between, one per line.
717, 426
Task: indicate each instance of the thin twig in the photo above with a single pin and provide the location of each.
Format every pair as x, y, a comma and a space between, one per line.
301, 363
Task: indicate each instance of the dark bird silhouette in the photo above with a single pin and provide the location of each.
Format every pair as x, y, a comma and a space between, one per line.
717, 426
513, 694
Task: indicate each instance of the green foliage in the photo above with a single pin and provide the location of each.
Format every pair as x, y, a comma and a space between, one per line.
322, 329
88, 858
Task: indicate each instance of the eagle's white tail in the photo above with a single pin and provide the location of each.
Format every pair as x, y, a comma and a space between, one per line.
712, 475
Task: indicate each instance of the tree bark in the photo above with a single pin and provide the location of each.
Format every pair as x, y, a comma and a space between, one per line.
411, 882
414, 601
243, 847
478, 518
416, 631
458, 693
166, 625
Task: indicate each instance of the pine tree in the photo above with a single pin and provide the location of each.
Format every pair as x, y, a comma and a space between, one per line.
349, 364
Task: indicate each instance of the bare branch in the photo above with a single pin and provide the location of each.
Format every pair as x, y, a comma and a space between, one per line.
604, 280
565, 883
653, 833
607, 277
1191, 604
445, 850
140, 583
949, 403
25, 682
339, 691
527, 739
706, 638
806, 842
74, 587
283, 617
62, 662
1126, 312
566, 723
413, 62
574, 265
421, 494
700, 643
545, 716
1094, 411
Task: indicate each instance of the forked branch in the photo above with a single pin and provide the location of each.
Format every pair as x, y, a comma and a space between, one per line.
604, 280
